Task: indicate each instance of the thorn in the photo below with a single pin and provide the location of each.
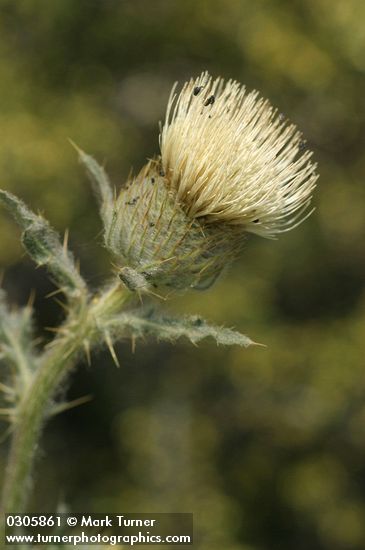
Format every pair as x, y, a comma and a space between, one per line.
133, 343
62, 304
109, 343
79, 151
87, 351
31, 298
57, 330
6, 389
10, 398
55, 292
258, 344
65, 241
168, 259
252, 342
115, 266
169, 294
62, 407
163, 298
7, 412
52, 329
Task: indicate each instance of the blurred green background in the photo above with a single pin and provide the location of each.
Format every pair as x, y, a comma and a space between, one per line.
265, 446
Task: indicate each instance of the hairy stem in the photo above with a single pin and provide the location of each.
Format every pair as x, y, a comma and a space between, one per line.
84, 326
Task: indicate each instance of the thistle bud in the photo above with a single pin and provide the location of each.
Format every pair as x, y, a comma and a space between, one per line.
229, 165
159, 244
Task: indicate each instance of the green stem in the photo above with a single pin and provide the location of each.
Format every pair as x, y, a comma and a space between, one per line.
85, 325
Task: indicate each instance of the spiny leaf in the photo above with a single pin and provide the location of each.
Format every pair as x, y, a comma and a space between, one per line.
18, 322
194, 328
17, 343
101, 186
44, 246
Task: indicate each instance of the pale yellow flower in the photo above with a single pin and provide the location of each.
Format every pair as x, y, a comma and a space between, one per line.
230, 157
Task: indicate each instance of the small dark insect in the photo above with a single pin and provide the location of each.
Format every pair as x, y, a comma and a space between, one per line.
152, 224
132, 202
197, 90
162, 173
302, 145
256, 221
209, 101
198, 322
152, 180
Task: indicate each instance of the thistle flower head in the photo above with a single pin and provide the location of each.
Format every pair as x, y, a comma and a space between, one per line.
229, 165
230, 157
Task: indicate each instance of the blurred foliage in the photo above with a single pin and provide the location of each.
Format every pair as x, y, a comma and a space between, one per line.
266, 447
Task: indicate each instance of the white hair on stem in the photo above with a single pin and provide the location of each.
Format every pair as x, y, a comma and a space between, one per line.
230, 157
